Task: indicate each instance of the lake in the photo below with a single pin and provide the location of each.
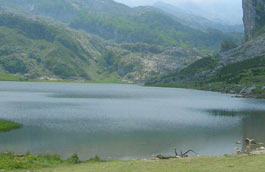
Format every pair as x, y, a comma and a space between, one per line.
125, 121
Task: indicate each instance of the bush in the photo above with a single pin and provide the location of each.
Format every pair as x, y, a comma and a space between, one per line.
96, 159
74, 159
227, 45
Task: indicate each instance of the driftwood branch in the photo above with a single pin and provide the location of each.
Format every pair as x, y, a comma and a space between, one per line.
181, 155
185, 154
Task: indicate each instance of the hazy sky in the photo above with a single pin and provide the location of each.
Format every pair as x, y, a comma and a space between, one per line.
179, 2
225, 10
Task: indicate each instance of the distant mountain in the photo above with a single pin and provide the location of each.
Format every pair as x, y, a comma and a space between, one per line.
240, 70
197, 22
37, 49
65, 10
114, 21
228, 12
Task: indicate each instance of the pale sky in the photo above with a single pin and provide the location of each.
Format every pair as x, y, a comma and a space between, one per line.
229, 11
134, 3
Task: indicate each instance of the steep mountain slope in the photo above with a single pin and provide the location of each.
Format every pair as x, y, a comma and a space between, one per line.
239, 70
254, 18
65, 10
36, 49
114, 21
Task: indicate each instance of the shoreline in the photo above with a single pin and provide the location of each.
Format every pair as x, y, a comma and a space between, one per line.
221, 89
26, 162
234, 89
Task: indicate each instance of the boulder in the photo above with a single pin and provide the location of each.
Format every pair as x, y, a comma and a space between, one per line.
248, 90
232, 92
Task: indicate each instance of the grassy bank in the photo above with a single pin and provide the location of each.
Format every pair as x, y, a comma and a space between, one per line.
233, 78
8, 125
46, 163
10, 161
20, 78
11, 77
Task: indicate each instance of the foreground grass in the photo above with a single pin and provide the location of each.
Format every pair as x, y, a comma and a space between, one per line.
10, 161
194, 164
8, 125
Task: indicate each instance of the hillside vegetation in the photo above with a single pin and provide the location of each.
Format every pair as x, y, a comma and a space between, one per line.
94, 40
37, 49
33, 48
236, 77
152, 27
114, 21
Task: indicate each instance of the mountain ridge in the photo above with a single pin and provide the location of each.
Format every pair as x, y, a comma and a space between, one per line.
128, 24
39, 49
237, 70
197, 22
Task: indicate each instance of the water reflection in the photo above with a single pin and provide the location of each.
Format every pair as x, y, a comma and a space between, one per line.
124, 121
252, 123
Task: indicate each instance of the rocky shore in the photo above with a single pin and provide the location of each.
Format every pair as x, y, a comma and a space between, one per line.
244, 91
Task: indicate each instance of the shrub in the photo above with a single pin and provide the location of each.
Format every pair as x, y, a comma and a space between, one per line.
74, 159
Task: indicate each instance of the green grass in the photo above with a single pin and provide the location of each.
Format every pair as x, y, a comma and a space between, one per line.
50, 163
11, 77
20, 78
247, 73
11, 161
8, 125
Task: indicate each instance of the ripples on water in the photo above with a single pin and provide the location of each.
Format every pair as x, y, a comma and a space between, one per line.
125, 121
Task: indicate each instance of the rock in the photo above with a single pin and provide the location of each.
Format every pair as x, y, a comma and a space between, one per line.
250, 141
262, 148
242, 91
257, 152
251, 89
237, 150
232, 92
238, 142
253, 16
263, 88
248, 90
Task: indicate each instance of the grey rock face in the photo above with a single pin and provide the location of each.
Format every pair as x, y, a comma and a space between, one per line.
248, 90
250, 49
253, 14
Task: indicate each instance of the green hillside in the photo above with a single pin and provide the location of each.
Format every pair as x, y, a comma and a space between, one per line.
232, 78
37, 49
150, 27
95, 40
114, 21
250, 71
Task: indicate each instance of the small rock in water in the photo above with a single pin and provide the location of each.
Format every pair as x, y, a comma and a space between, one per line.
248, 90
250, 141
235, 148
238, 142
262, 148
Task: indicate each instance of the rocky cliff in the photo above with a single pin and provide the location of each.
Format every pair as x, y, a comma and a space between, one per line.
254, 17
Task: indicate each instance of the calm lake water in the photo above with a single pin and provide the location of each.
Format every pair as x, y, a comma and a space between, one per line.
125, 121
